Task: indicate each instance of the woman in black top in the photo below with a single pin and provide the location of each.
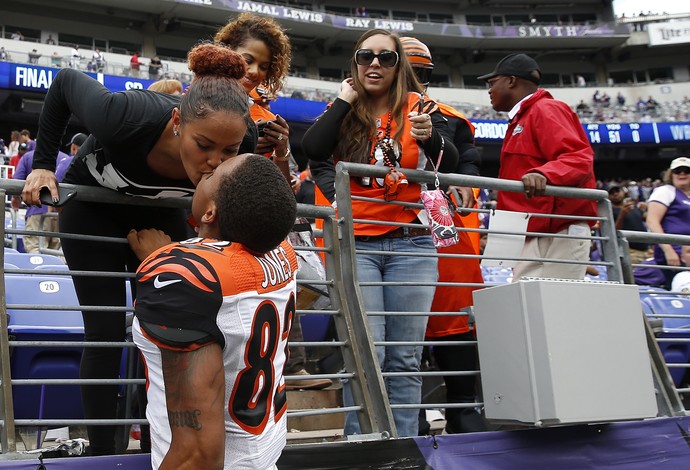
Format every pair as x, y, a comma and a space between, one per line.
142, 143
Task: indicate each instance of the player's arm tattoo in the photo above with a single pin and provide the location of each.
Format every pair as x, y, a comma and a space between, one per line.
186, 373
185, 418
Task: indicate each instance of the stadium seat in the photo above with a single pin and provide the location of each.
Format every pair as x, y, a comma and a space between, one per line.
31, 260
49, 401
128, 293
52, 267
646, 309
666, 304
315, 327
647, 291
9, 237
671, 305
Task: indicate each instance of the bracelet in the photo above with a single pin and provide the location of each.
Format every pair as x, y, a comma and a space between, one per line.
284, 158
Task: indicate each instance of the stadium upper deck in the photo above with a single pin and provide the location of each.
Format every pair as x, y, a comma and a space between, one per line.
466, 36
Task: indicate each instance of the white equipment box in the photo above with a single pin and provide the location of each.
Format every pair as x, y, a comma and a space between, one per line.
563, 352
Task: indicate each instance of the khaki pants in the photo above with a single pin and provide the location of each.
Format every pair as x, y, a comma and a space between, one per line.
31, 242
556, 248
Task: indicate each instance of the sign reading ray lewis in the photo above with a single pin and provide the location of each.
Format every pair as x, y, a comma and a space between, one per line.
668, 33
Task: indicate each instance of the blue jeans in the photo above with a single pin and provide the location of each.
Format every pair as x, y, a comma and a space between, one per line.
395, 298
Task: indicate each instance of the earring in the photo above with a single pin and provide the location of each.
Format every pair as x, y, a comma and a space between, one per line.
176, 133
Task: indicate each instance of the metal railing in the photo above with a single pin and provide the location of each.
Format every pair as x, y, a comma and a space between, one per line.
357, 358
613, 261
350, 318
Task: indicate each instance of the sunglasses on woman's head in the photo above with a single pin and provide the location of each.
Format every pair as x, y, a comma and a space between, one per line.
366, 57
681, 169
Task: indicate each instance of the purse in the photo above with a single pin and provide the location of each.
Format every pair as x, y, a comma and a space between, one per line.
439, 208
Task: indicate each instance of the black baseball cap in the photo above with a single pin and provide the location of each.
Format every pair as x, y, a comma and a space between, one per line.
78, 139
23, 146
518, 65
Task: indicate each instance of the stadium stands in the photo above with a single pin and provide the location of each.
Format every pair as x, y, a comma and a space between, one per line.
674, 314
31, 323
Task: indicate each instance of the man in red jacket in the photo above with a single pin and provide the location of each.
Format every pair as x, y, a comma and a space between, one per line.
544, 144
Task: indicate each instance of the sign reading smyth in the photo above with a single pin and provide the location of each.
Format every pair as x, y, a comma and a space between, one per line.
440, 29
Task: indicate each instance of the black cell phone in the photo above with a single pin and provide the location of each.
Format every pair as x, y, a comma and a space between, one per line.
64, 194
262, 126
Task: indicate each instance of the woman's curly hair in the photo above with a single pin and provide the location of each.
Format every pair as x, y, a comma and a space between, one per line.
249, 26
216, 85
208, 58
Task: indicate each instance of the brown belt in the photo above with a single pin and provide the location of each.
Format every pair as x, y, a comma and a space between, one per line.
400, 232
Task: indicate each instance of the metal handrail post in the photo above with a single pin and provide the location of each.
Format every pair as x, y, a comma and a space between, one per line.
368, 384
668, 399
609, 245
7, 431
626, 264
343, 322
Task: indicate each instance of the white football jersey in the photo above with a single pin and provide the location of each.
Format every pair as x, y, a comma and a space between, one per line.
245, 303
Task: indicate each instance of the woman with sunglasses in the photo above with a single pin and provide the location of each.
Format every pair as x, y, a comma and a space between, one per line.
668, 211
377, 119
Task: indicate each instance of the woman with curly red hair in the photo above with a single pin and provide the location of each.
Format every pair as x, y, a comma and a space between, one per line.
141, 143
267, 51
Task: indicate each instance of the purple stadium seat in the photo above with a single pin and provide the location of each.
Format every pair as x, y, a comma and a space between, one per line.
672, 328
31, 260
50, 401
315, 327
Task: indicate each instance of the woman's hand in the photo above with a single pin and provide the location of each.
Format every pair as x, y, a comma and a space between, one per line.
672, 258
421, 126
276, 136
466, 195
36, 180
146, 241
347, 91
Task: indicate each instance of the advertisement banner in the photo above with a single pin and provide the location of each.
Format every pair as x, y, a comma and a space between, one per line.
282, 12
669, 33
36, 78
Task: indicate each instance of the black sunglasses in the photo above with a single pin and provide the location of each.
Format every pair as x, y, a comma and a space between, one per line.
366, 57
681, 169
423, 74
